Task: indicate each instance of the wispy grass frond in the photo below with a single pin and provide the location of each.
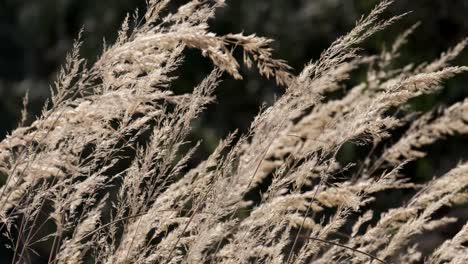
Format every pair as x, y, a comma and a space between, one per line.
104, 175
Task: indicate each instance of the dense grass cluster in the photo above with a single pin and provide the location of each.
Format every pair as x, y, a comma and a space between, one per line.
102, 177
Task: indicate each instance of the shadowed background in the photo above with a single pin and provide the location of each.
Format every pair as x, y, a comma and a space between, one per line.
35, 36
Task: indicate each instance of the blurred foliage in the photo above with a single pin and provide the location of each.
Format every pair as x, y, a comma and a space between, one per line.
36, 34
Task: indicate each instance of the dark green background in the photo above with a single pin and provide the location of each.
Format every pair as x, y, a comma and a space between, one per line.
36, 34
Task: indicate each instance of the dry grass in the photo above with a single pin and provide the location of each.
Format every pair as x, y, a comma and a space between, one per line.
100, 176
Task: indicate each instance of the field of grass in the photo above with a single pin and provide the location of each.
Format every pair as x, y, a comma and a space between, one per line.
106, 173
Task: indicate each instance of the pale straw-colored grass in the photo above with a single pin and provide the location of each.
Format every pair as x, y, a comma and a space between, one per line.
100, 176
